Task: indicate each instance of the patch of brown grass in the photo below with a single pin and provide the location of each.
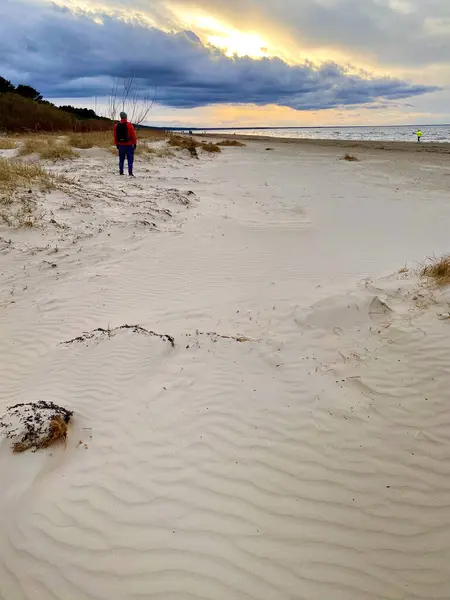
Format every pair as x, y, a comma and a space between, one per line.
59, 151
190, 144
19, 210
232, 143
184, 143
437, 270
32, 145
210, 147
350, 158
151, 134
48, 147
15, 174
92, 139
7, 144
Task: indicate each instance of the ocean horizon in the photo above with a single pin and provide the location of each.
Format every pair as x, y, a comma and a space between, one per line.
388, 133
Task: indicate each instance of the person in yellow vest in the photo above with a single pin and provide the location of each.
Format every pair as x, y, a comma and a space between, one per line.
419, 135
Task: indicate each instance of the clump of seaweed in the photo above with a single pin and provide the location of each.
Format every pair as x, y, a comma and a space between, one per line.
35, 425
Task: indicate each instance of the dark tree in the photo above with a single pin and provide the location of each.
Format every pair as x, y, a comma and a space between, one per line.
28, 92
6, 87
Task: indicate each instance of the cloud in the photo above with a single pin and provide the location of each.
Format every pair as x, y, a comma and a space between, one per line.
77, 54
387, 32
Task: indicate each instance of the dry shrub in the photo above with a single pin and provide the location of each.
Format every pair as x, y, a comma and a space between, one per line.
7, 144
350, 158
191, 144
437, 270
231, 143
210, 147
184, 143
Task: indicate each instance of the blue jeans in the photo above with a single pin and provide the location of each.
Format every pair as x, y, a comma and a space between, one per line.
128, 153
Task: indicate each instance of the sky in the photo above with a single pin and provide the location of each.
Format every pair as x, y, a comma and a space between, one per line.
238, 63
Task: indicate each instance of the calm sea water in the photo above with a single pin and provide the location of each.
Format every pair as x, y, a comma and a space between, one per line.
431, 133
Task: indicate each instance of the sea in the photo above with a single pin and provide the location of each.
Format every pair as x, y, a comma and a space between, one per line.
403, 133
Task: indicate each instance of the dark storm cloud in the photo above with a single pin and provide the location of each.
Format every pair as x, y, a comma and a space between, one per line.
66, 54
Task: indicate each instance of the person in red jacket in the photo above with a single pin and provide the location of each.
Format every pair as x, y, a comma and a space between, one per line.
125, 141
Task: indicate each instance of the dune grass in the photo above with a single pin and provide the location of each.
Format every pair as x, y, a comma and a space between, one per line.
92, 139
232, 143
350, 158
191, 144
7, 144
16, 209
210, 147
16, 174
48, 148
437, 270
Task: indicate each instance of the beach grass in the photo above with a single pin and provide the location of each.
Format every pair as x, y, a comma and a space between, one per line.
350, 158
437, 270
231, 143
7, 144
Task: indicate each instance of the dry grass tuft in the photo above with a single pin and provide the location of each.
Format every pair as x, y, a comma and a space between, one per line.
350, 158
210, 147
7, 144
232, 143
18, 210
16, 174
32, 145
92, 139
184, 143
48, 148
191, 144
437, 270
59, 151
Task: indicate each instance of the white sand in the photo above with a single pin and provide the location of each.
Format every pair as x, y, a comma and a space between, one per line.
311, 462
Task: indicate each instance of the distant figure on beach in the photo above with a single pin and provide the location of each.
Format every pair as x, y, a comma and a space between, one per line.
419, 135
126, 142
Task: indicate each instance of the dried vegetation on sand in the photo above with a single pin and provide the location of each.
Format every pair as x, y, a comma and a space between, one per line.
36, 425
437, 270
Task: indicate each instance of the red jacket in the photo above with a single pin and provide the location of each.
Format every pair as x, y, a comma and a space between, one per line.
132, 141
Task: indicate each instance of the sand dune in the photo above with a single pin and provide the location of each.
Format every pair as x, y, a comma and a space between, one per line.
293, 442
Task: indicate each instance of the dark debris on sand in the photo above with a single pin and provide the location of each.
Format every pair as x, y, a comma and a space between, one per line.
35, 425
101, 333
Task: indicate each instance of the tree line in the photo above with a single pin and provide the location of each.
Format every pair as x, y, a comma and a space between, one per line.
23, 108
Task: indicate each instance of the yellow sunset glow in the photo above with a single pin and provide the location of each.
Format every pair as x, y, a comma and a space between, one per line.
230, 40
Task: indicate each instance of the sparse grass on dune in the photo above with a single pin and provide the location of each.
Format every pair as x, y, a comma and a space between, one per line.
232, 143
191, 144
48, 148
7, 144
92, 139
151, 134
59, 151
350, 158
18, 210
15, 174
437, 270
210, 147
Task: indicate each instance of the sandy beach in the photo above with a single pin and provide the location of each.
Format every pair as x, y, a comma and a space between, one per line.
293, 443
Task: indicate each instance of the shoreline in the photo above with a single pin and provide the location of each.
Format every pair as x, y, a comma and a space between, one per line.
437, 148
